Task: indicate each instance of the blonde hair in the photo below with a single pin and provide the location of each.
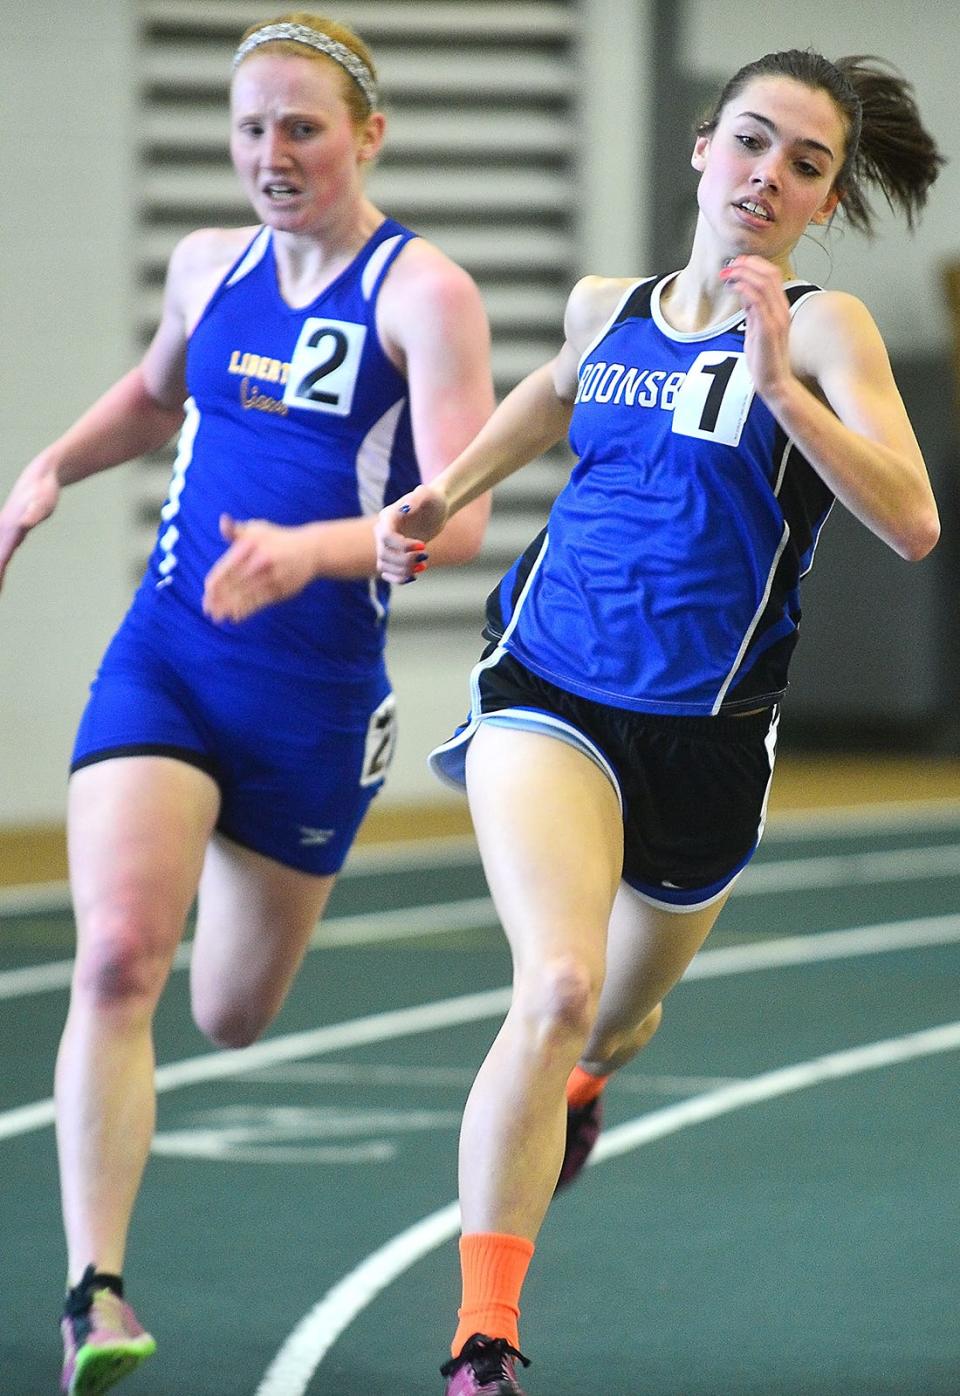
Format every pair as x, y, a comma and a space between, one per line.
335, 42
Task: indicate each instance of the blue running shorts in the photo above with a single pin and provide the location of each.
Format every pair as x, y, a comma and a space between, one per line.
297, 760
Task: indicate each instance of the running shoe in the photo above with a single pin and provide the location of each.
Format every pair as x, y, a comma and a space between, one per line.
583, 1130
485, 1367
102, 1340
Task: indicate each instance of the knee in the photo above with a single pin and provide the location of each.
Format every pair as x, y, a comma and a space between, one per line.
232, 1025
120, 963
561, 997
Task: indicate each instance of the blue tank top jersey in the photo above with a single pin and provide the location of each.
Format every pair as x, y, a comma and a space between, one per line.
666, 580
293, 415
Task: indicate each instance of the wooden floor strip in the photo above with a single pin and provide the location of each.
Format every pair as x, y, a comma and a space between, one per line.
38, 853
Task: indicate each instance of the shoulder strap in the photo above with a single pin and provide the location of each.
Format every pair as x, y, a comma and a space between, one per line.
637, 304
377, 257
799, 292
251, 255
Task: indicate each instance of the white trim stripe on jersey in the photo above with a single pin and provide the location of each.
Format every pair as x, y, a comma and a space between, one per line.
512, 625
373, 460
748, 633
788, 447
371, 271
373, 472
255, 254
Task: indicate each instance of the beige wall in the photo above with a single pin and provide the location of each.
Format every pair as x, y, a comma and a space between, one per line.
65, 79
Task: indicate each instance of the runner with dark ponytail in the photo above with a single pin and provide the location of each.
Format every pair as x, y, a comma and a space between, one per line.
624, 715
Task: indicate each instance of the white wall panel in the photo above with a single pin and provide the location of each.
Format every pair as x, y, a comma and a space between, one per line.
898, 276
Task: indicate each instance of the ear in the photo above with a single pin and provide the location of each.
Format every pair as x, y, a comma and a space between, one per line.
828, 208
371, 137
699, 157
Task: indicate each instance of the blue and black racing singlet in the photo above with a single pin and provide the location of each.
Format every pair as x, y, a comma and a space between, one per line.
293, 415
667, 578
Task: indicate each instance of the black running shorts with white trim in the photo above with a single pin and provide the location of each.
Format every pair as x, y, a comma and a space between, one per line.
693, 790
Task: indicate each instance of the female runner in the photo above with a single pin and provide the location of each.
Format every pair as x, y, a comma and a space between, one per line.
316, 365
623, 720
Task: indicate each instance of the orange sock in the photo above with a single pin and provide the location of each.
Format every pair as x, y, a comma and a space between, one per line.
582, 1087
494, 1267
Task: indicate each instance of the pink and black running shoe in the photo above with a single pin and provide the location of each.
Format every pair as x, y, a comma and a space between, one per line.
583, 1131
485, 1367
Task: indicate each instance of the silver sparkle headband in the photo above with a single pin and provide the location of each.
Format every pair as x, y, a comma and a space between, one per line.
351, 62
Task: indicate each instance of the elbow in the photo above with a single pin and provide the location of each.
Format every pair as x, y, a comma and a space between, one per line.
463, 535
914, 544
465, 546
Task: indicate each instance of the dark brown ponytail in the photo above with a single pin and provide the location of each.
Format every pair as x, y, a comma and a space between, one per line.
895, 153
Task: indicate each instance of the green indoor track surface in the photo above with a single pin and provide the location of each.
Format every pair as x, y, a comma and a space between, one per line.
748, 1230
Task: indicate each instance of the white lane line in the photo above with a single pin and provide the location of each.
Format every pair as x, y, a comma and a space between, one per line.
364, 1074
403, 922
216, 1066
291, 1371
376, 1027
470, 914
35, 979
406, 1022
449, 850
460, 1077
477, 913
366, 928
833, 1066
461, 849
850, 870
922, 932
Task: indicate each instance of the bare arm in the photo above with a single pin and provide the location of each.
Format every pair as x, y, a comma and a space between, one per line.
858, 438
433, 324
530, 420
536, 414
433, 314
125, 422
136, 415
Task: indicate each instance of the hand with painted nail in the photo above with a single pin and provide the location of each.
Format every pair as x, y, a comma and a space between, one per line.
759, 284
404, 528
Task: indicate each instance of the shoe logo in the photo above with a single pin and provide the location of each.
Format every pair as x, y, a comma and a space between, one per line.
314, 838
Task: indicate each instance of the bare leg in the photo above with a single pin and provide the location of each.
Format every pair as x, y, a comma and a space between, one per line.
648, 950
549, 828
548, 823
137, 830
254, 922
